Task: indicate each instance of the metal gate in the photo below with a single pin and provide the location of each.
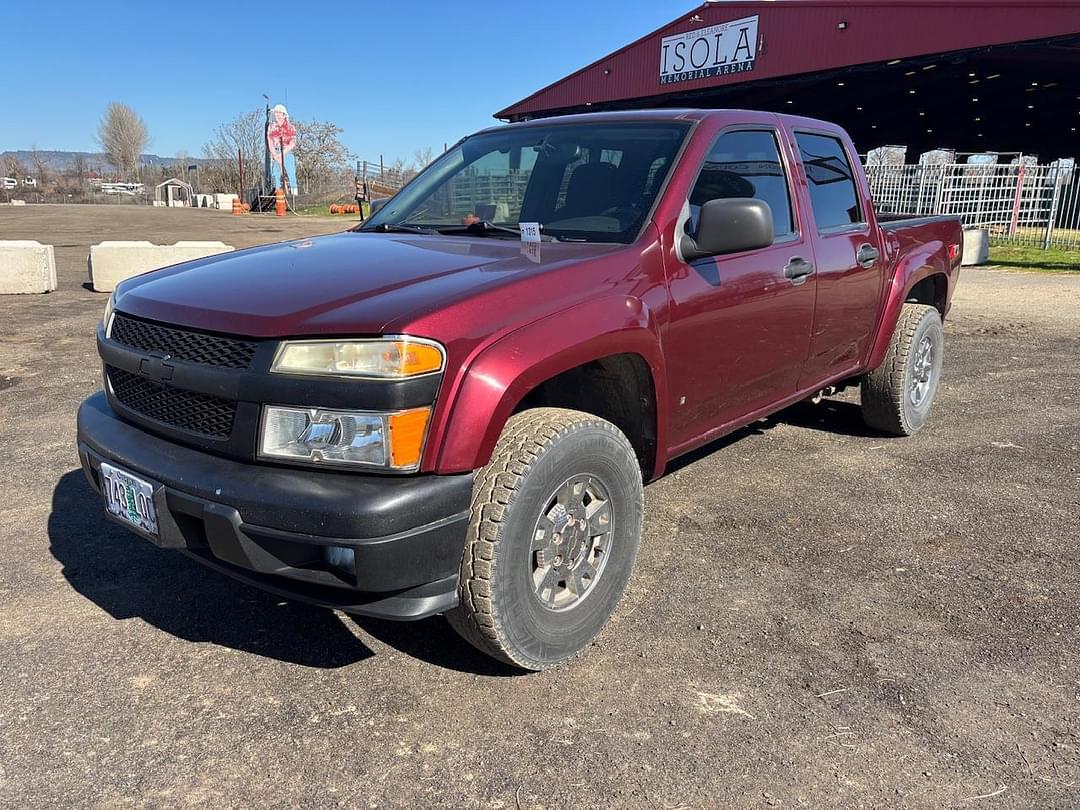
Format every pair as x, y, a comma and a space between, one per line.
1024, 204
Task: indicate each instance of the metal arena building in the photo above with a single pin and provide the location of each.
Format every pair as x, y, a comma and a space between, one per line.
969, 75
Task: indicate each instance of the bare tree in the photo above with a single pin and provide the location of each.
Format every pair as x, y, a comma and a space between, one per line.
78, 168
71, 180
178, 169
401, 171
40, 166
243, 135
124, 137
321, 158
12, 167
422, 157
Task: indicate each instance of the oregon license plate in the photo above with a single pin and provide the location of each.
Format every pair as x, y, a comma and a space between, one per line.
129, 498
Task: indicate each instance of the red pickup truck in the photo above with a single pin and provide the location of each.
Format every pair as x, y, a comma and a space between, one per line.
453, 408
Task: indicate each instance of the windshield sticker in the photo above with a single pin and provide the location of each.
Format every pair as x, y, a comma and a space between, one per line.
530, 231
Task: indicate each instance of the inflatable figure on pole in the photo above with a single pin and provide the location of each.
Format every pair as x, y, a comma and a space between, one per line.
280, 140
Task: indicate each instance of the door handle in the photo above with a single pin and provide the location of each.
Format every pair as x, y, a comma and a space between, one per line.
798, 269
867, 255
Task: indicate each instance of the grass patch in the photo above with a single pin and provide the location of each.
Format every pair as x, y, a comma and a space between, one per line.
314, 210
324, 211
1055, 260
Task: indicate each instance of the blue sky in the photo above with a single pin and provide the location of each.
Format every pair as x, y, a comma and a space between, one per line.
397, 76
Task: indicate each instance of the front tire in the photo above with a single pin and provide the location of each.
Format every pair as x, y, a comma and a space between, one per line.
555, 527
897, 395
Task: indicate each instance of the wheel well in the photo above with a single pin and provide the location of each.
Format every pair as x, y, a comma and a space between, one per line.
932, 291
618, 388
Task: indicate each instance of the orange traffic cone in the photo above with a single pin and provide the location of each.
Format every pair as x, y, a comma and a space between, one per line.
237, 208
279, 202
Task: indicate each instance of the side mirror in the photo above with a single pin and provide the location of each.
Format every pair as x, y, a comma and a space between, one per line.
730, 226
375, 205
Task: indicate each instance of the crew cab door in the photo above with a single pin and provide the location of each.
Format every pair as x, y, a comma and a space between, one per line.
740, 323
848, 254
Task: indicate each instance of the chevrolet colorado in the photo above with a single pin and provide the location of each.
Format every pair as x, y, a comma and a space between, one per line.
452, 409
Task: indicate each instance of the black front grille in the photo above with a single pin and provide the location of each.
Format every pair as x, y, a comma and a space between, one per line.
183, 344
198, 413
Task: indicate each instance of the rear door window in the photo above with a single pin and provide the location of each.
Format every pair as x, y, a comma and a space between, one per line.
745, 163
833, 193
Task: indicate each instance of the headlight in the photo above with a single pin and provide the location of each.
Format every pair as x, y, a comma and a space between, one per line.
393, 441
107, 317
393, 358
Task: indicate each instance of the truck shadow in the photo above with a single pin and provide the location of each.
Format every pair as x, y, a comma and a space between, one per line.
128, 578
434, 641
829, 416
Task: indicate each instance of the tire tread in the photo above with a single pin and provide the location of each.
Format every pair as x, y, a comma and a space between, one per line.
526, 437
883, 388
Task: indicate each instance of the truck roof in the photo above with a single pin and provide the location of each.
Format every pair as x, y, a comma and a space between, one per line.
669, 114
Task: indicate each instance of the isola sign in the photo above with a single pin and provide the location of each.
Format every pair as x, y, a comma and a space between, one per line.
718, 50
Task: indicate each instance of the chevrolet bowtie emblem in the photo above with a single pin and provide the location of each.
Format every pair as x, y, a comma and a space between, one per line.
156, 368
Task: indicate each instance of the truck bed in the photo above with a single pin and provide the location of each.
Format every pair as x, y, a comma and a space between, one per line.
893, 222
916, 233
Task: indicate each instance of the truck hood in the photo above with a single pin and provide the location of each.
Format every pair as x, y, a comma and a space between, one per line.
348, 283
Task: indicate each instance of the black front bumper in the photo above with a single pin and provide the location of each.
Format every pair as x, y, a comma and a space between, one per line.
268, 526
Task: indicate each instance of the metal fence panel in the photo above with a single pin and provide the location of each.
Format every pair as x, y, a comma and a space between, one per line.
1017, 203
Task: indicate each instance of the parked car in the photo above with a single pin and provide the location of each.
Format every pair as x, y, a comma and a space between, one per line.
453, 408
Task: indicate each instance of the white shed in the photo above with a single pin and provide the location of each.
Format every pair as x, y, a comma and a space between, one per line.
173, 193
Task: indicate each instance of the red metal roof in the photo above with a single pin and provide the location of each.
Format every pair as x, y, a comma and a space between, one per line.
803, 36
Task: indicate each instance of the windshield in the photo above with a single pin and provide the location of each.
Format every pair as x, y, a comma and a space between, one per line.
581, 182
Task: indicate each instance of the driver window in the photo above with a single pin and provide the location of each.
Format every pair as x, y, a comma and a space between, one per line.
745, 164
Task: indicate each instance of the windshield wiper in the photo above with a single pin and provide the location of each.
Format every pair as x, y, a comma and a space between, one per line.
485, 228
400, 227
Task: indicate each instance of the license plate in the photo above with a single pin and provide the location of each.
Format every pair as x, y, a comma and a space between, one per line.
129, 498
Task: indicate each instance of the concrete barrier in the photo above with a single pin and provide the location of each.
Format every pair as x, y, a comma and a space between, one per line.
111, 262
976, 247
26, 267
224, 201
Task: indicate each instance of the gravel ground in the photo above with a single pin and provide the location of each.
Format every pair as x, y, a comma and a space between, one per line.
819, 616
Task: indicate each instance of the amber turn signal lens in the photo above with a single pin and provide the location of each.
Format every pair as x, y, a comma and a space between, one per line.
418, 358
407, 432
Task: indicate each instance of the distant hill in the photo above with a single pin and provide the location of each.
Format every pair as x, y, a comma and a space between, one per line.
59, 161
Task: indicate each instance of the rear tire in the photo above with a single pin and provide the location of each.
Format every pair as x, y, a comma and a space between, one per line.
897, 395
555, 527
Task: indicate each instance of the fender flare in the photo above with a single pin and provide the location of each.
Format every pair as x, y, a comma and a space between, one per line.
491, 385
927, 261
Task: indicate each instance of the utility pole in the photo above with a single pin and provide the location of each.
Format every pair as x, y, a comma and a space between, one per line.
267, 181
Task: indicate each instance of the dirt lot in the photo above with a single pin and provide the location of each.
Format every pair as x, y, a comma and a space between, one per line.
819, 616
